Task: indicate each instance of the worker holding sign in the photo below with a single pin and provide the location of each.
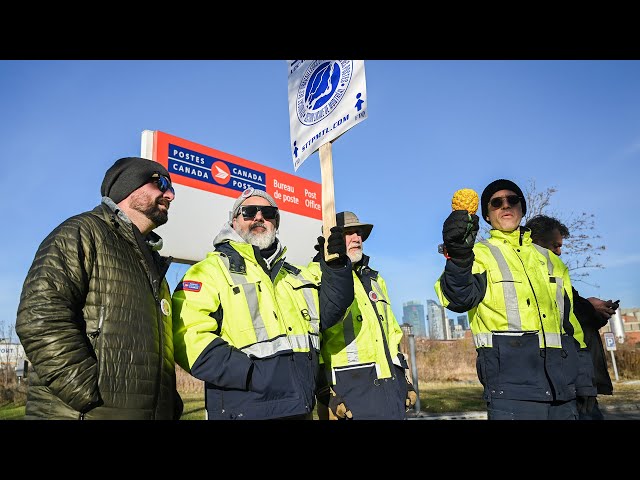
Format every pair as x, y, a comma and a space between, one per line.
365, 372
532, 357
247, 323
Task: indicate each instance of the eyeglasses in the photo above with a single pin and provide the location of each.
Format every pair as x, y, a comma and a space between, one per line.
250, 211
163, 183
512, 200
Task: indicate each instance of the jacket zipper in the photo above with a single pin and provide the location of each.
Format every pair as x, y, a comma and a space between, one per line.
156, 290
94, 336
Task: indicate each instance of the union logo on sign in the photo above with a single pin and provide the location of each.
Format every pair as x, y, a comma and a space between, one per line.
321, 89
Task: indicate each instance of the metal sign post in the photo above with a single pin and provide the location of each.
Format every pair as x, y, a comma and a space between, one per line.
409, 338
610, 341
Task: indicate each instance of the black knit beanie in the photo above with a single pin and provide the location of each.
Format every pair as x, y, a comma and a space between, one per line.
496, 186
129, 174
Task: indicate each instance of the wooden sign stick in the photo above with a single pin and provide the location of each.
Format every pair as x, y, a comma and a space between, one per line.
328, 198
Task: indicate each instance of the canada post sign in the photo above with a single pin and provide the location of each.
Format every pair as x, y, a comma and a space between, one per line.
211, 170
207, 181
200, 166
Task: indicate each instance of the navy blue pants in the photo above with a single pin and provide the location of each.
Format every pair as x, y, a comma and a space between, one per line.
505, 409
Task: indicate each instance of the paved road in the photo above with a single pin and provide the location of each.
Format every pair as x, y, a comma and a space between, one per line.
622, 412
618, 412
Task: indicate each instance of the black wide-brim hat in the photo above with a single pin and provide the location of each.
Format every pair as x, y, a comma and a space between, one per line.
349, 219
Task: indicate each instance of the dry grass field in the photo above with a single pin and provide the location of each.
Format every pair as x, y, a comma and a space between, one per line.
447, 381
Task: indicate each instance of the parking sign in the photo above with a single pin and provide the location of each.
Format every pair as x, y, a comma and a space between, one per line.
610, 341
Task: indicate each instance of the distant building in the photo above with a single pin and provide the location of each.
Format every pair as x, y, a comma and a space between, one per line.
625, 324
457, 332
413, 314
452, 324
463, 321
11, 354
631, 323
438, 321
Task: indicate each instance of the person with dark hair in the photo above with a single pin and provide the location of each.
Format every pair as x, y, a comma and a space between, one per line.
532, 358
248, 323
592, 313
365, 374
95, 311
548, 232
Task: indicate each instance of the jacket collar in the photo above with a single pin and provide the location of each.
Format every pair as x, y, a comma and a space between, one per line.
251, 253
520, 236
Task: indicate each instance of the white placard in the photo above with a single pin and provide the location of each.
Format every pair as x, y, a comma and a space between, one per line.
326, 98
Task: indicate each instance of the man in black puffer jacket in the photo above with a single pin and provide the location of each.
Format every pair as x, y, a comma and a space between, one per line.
95, 311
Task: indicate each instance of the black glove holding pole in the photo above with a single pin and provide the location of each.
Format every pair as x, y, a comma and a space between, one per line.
335, 244
412, 396
459, 234
338, 408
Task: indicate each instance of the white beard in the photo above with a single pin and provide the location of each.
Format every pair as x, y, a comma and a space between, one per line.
260, 240
356, 256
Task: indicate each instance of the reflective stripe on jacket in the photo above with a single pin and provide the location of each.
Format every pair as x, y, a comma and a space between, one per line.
519, 300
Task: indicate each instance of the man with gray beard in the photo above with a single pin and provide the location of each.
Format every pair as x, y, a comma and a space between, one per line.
248, 323
365, 374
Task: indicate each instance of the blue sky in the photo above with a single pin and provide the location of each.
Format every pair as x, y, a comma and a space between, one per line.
433, 127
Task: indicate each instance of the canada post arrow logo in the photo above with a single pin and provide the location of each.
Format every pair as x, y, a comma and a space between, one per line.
221, 172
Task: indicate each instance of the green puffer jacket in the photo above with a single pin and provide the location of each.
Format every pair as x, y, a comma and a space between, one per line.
95, 323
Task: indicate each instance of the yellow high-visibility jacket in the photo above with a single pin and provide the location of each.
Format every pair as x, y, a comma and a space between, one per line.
519, 298
253, 338
360, 354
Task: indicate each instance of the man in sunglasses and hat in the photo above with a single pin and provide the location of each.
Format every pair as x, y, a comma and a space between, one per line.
95, 311
532, 357
247, 323
364, 372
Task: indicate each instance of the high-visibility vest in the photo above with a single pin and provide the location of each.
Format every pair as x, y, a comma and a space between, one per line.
233, 298
368, 328
526, 290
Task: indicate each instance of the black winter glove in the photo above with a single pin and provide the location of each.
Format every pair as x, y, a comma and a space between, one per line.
335, 244
585, 404
459, 234
338, 408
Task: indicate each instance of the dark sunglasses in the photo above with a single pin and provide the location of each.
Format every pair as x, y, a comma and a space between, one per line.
250, 211
496, 202
351, 231
163, 183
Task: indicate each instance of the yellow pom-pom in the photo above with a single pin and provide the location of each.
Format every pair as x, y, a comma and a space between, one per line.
465, 199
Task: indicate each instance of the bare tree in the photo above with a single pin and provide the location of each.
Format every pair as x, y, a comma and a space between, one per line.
581, 249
